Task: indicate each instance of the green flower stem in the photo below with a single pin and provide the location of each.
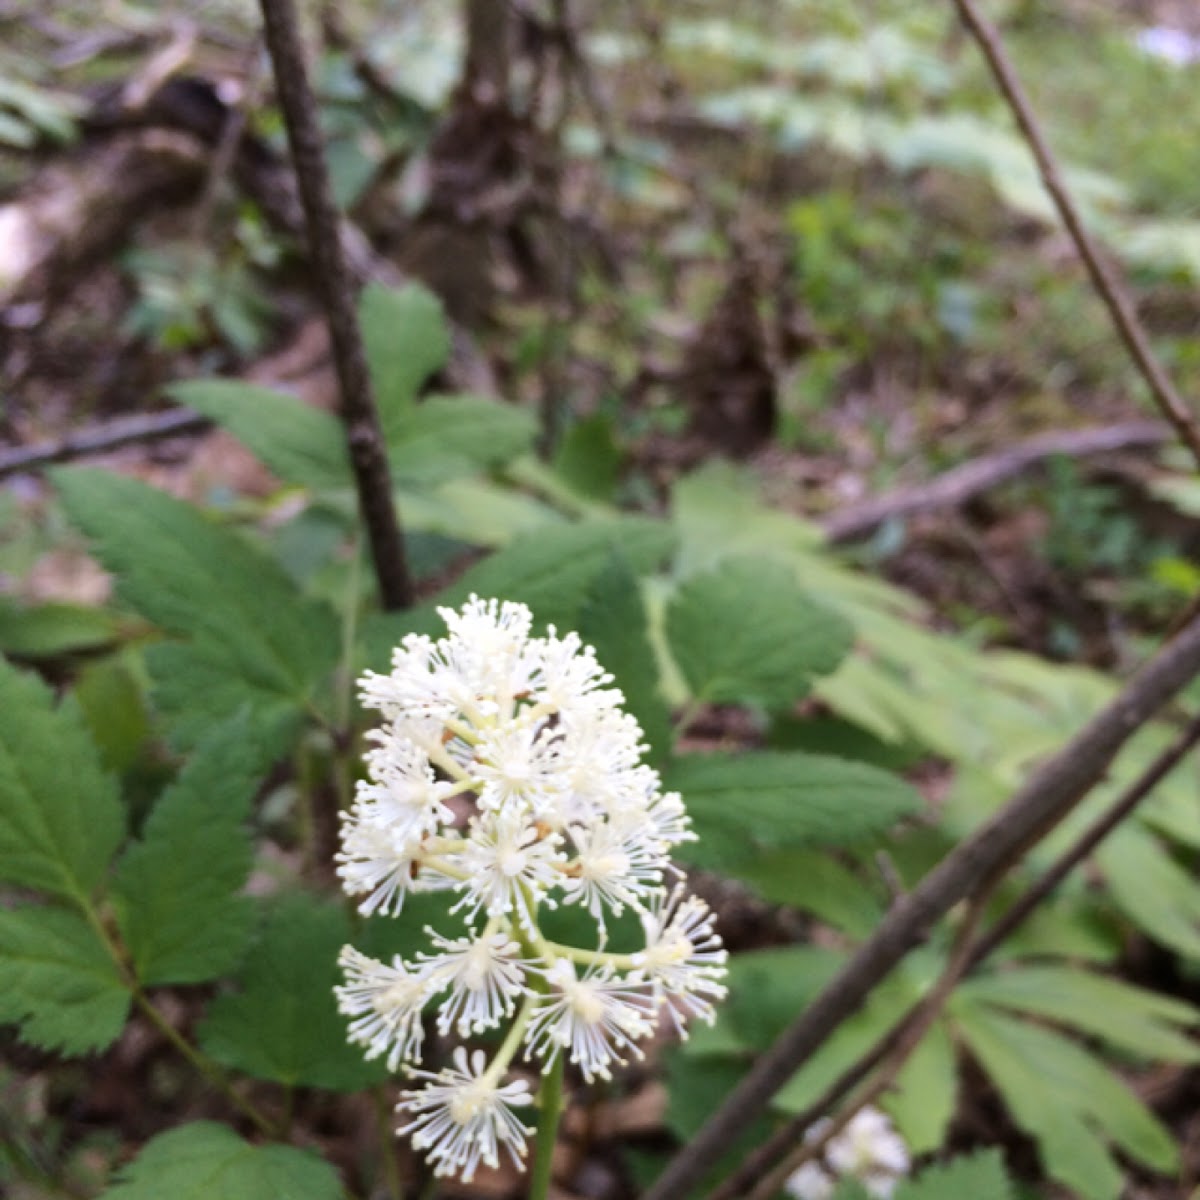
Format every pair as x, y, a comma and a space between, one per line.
550, 1102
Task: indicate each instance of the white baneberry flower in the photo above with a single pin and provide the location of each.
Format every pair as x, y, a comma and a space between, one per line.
870, 1150
385, 1003
684, 958
506, 773
810, 1181
485, 976
510, 867
596, 1019
615, 864
463, 1116
867, 1149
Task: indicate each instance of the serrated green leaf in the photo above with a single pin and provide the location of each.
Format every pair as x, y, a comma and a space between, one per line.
258, 641
177, 890
975, 1177
406, 339
58, 981
60, 816
447, 436
1057, 1092
284, 1025
207, 1161
1143, 1023
300, 443
48, 630
613, 621
745, 632
198, 684
742, 804
551, 570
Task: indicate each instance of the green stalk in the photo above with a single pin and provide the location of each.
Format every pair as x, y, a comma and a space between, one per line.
550, 1101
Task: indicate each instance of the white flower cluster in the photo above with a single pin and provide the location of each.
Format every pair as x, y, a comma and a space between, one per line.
507, 774
868, 1150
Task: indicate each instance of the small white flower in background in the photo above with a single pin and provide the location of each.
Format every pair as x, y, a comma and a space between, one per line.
868, 1150
507, 772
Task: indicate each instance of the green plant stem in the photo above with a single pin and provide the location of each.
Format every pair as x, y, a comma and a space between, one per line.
550, 1102
202, 1063
196, 1058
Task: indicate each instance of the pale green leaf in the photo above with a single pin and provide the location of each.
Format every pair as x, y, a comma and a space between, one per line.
1168, 911
1058, 1092
923, 1100
744, 631
406, 339
177, 890
60, 816
58, 981
283, 1024
300, 443
588, 459
207, 1161
742, 804
1140, 1022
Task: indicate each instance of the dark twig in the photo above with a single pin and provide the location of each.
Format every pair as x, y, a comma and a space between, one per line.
915, 1026
102, 438
960, 484
1118, 811
758, 1163
364, 437
1049, 796
1104, 277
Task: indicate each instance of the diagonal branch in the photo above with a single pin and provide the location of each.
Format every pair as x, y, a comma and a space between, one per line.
364, 437
789, 1135
1049, 796
1104, 277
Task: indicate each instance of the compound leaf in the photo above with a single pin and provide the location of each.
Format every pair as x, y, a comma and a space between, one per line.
58, 981
177, 891
204, 1161
264, 644
60, 816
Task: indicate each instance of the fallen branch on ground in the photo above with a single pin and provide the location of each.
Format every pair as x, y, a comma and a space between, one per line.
960, 484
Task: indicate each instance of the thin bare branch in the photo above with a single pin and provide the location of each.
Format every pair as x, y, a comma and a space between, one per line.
1050, 795
102, 438
364, 437
962, 483
1104, 276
